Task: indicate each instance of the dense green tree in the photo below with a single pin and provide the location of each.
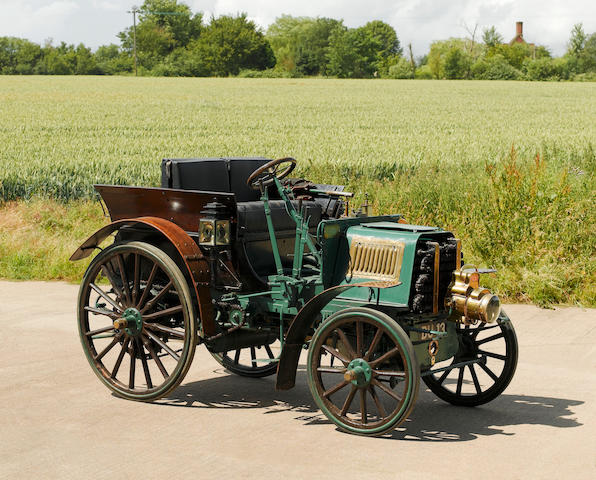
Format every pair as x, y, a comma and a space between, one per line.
491, 38
577, 41
363, 52
111, 60
232, 43
495, 67
452, 58
300, 44
163, 26
343, 58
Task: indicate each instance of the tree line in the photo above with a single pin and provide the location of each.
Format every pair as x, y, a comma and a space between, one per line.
171, 40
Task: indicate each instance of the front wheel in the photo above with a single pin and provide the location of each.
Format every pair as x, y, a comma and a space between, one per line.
136, 321
362, 371
472, 384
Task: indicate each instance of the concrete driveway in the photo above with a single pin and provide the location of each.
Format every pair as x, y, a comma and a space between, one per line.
58, 421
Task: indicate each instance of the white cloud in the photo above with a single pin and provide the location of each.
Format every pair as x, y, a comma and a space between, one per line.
96, 22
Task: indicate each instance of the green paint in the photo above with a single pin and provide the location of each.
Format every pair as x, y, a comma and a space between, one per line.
363, 372
134, 321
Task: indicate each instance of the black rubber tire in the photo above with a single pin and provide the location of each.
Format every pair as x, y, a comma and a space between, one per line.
500, 383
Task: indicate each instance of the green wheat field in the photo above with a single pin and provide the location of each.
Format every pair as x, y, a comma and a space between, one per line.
508, 166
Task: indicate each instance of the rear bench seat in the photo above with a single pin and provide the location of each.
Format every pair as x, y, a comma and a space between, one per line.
230, 175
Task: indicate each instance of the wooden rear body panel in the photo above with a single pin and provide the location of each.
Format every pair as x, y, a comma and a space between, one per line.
182, 207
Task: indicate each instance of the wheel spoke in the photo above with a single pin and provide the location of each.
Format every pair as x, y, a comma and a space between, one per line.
444, 376
167, 330
253, 357
237, 356
163, 345
336, 354
359, 335
348, 401
363, 411
105, 296
133, 361
460, 380
335, 388
482, 329
148, 285
386, 389
389, 373
145, 365
493, 355
100, 330
108, 271
378, 403
391, 353
475, 379
331, 370
373, 344
489, 372
346, 343
163, 313
120, 358
490, 339
269, 352
137, 280
101, 311
155, 358
125, 286
157, 298
108, 348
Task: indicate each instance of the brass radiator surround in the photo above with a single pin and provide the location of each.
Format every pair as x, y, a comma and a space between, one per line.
376, 258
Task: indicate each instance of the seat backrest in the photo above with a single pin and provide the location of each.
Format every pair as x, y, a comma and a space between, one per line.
212, 174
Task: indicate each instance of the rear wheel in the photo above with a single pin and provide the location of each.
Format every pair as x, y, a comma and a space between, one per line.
362, 371
258, 361
136, 321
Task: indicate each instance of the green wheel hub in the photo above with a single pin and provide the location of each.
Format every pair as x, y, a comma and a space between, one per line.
359, 373
134, 321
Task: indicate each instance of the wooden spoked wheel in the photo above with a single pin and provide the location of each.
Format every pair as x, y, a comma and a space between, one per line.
477, 383
136, 321
362, 371
258, 361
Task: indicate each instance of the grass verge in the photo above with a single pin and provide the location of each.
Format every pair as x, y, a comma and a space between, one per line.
532, 218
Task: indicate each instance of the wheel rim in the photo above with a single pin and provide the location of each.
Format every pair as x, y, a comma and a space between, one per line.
477, 383
135, 321
361, 373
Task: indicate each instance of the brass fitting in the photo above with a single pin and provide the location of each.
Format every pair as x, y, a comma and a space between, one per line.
120, 323
468, 300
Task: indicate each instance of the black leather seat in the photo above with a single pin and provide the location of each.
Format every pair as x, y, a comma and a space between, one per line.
213, 175
253, 233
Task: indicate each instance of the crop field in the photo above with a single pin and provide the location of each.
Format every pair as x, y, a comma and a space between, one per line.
508, 166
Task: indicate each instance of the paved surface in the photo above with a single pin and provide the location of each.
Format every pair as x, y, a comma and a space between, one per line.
58, 421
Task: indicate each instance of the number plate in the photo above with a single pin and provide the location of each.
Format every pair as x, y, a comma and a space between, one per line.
434, 326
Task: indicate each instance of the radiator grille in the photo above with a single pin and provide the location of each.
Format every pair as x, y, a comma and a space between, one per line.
375, 258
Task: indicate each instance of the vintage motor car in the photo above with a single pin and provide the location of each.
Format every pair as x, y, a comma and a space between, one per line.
259, 267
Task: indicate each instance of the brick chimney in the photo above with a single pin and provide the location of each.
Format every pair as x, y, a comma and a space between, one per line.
519, 29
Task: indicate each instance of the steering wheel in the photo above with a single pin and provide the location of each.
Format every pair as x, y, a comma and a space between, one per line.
266, 174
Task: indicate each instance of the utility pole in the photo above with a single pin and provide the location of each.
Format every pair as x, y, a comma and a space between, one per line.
134, 12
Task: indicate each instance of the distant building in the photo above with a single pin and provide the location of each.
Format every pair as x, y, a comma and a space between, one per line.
519, 34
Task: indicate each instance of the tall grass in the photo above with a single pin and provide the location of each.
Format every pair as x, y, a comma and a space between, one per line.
508, 167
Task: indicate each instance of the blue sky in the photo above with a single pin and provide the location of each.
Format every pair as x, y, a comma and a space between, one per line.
96, 22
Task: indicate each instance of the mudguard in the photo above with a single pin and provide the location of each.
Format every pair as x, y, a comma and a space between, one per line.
295, 338
194, 260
